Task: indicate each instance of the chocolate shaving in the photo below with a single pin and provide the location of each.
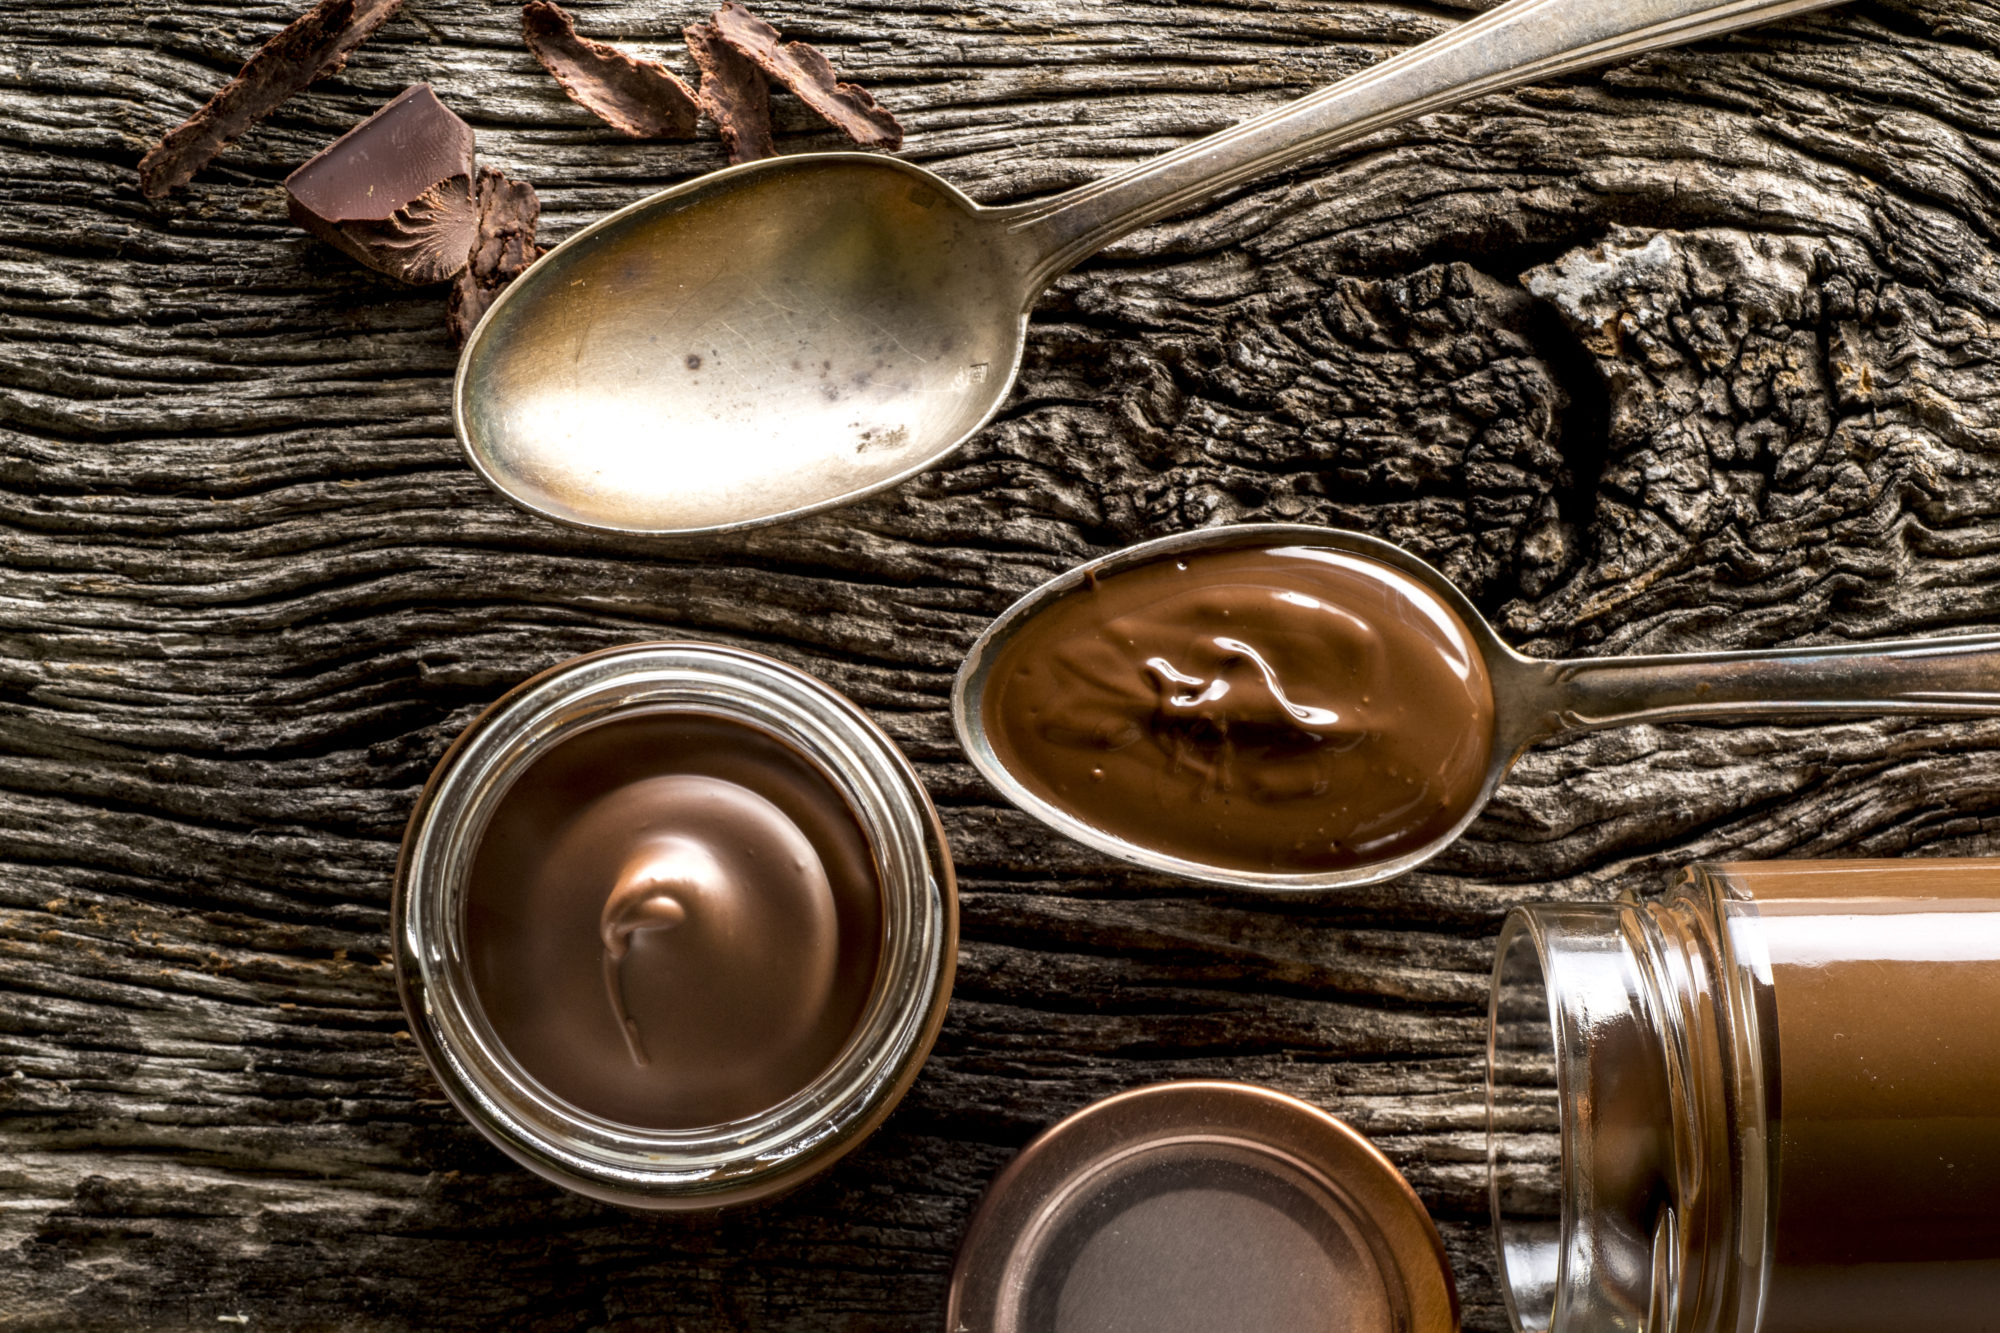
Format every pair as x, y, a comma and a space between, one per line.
733, 93
396, 191
501, 251
312, 46
640, 98
807, 74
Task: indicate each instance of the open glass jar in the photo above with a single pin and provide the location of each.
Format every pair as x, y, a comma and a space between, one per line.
1767, 1104
748, 1156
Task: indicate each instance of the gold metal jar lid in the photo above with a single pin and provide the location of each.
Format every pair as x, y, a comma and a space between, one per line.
1201, 1207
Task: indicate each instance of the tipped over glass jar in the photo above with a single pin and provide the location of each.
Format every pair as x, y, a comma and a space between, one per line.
1769, 1103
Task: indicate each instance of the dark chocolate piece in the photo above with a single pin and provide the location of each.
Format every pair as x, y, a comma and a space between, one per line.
1284, 708
312, 46
734, 94
396, 191
640, 98
807, 74
674, 920
501, 250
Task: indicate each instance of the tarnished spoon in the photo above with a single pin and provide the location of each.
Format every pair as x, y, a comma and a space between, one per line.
795, 333
1533, 699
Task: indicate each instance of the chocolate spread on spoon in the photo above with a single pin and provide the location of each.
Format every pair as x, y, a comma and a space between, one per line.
1273, 707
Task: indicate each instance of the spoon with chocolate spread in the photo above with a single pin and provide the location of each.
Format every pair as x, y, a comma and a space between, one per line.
795, 333
1284, 707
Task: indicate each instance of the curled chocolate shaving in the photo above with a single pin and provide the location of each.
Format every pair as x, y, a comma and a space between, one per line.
733, 93
807, 74
314, 45
396, 191
502, 249
640, 98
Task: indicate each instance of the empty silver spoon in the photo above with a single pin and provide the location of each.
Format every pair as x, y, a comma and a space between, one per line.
1533, 699
795, 333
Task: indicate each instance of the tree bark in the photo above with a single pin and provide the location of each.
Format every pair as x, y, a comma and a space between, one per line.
1698, 352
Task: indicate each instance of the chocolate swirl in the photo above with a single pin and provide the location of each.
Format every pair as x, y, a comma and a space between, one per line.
1283, 708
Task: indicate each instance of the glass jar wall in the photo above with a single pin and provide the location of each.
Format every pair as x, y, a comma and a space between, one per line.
1769, 1103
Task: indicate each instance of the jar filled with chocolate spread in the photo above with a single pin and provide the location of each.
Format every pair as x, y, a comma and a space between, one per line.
1767, 1104
675, 925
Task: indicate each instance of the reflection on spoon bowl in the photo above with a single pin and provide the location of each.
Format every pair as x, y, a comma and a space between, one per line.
775, 338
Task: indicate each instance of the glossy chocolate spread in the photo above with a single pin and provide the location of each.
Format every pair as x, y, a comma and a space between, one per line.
1279, 707
1880, 986
674, 920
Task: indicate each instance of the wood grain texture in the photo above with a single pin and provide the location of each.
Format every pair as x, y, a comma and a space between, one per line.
1697, 353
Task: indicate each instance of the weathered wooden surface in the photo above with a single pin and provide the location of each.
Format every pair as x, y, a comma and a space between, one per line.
1697, 353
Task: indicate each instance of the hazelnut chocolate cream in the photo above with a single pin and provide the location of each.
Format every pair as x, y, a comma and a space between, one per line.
1277, 706
673, 920
1776, 1103
1883, 1014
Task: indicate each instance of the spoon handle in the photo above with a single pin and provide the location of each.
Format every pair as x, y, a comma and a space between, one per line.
1519, 42
1957, 676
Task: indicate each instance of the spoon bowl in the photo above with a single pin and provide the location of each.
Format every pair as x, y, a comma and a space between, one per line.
778, 337
1510, 673
785, 336
1534, 699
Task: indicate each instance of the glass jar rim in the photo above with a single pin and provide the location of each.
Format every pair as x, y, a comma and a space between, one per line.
717, 1165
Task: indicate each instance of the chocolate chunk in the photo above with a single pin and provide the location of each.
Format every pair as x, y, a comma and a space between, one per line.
396, 191
640, 98
734, 94
501, 251
312, 46
807, 74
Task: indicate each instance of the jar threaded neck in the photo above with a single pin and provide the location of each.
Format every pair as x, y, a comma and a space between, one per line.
1612, 1116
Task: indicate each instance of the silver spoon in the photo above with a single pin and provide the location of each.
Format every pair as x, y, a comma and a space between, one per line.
795, 333
1533, 699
